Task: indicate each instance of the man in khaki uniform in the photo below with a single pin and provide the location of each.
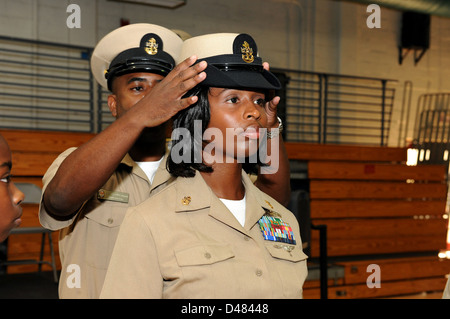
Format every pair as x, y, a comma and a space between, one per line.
88, 190
87, 239
211, 233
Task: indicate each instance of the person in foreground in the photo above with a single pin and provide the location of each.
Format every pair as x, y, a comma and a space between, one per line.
212, 233
10, 196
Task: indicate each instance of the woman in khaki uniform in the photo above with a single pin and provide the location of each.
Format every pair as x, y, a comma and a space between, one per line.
211, 233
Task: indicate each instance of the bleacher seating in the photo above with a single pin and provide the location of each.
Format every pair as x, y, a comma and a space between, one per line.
378, 211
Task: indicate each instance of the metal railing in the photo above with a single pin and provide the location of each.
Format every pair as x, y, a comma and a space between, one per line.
45, 86
339, 109
49, 86
432, 129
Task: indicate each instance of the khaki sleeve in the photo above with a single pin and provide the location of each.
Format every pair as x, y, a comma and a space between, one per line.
133, 271
44, 218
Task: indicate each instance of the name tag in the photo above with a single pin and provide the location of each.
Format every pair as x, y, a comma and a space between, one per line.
104, 194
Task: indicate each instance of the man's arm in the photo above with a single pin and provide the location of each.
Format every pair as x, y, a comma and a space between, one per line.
85, 170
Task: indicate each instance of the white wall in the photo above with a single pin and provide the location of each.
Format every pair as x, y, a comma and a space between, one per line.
311, 35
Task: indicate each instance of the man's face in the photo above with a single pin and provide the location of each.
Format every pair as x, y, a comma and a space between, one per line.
129, 89
10, 196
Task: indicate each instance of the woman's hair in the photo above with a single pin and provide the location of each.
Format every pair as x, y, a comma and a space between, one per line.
189, 150
185, 119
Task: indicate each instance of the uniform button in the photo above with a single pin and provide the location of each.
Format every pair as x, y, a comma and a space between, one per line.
258, 272
207, 255
110, 220
246, 238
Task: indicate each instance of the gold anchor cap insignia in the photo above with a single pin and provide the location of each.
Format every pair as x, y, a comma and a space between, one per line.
247, 53
186, 200
151, 46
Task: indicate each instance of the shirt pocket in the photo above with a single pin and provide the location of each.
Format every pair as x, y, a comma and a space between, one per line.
206, 254
203, 270
102, 229
286, 252
290, 263
108, 215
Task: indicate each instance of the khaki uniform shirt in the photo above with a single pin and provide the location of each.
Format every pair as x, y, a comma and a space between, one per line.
184, 243
87, 239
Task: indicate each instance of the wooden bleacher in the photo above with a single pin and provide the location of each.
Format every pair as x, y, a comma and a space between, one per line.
32, 154
366, 196
378, 211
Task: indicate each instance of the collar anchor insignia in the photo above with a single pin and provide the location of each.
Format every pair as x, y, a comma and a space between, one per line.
186, 200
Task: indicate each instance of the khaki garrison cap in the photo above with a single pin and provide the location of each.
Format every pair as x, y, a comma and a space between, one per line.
233, 61
140, 47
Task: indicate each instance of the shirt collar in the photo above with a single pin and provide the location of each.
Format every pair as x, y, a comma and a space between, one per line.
161, 176
194, 194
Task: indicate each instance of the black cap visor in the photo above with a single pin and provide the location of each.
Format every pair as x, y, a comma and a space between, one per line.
131, 62
239, 75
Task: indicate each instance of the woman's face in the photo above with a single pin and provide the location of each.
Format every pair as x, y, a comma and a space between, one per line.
10, 196
238, 115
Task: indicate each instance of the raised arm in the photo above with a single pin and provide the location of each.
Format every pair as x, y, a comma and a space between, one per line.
85, 170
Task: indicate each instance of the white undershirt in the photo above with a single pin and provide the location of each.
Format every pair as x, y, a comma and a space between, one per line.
150, 168
237, 208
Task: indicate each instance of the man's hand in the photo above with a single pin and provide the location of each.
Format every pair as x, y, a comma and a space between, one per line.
271, 107
271, 111
166, 98
86, 169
